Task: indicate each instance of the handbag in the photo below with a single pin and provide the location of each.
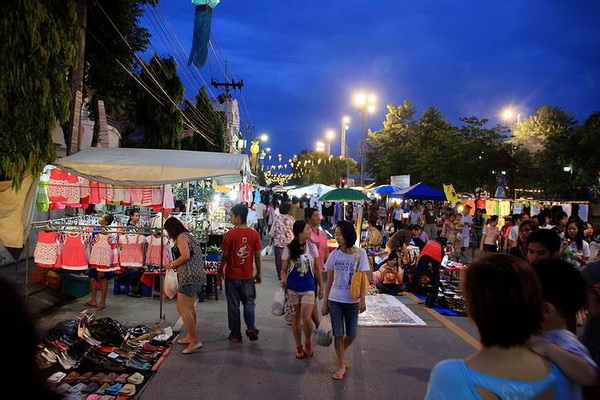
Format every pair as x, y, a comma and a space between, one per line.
358, 281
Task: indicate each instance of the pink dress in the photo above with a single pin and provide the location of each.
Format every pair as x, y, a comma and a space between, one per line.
154, 252
132, 250
46, 250
74, 253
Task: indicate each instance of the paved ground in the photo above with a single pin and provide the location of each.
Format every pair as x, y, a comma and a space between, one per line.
386, 362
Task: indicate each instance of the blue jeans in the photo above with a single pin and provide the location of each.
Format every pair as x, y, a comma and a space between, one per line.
343, 314
237, 290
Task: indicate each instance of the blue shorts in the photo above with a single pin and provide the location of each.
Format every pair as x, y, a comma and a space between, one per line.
343, 314
94, 274
190, 289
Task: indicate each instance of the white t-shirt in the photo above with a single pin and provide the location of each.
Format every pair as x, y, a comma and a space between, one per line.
260, 210
252, 218
343, 266
467, 221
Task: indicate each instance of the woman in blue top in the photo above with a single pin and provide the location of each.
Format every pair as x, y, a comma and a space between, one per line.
340, 266
504, 298
300, 259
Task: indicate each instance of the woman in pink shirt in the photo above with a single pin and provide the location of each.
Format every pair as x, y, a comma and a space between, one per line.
319, 238
491, 234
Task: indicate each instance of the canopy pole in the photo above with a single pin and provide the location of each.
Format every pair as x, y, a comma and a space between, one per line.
162, 249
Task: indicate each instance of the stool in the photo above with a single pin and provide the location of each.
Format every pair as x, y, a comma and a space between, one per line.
120, 287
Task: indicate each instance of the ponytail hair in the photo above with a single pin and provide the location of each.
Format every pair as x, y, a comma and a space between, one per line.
295, 247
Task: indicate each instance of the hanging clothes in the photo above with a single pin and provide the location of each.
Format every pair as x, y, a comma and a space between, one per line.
46, 249
132, 250
74, 254
157, 247
42, 201
101, 256
583, 211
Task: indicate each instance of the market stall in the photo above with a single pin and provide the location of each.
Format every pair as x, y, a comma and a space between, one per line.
135, 168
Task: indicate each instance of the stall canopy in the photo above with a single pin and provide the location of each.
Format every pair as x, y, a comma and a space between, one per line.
420, 191
313, 189
143, 167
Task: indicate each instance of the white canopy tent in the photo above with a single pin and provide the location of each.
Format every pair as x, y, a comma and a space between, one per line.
143, 167
317, 189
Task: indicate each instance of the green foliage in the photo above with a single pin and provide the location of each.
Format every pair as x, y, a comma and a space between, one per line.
209, 121
160, 119
319, 167
213, 249
37, 50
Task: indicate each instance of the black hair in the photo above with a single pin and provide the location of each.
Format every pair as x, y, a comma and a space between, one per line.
295, 200
296, 249
240, 210
563, 285
284, 208
578, 237
492, 218
174, 227
414, 227
393, 255
547, 237
108, 218
308, 212
348, 232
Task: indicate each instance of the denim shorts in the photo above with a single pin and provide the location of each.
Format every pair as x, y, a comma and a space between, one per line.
343, 314
190, 289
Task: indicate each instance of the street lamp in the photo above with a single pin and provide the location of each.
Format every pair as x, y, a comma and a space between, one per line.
569, 169
509, 115
366, 104
329, 135
345, 126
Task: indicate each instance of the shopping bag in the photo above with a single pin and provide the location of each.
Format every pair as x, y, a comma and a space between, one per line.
266, 251
277, 308
171, 283
359, 279
324, 333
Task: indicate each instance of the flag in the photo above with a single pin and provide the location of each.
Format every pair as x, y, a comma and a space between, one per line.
450, 193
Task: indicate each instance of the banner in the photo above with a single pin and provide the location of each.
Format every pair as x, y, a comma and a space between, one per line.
402, 181
450, 193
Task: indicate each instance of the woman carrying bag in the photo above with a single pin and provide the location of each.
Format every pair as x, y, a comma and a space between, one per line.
300, 262
341, 265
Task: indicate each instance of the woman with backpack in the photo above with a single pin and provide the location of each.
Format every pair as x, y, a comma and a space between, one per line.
299, 275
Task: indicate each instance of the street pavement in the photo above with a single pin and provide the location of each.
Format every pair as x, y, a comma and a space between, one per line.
386, 362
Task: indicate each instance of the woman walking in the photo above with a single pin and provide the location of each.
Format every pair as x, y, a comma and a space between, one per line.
191, 276
340, 266
301, 269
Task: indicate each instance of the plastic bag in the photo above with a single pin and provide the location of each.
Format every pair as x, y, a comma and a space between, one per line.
266, 251
324, 333
277, 308
171, 283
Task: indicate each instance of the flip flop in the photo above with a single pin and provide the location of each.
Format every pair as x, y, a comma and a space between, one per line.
136, 378
338, 376
89, 303
198, 345
99, 307
128, 390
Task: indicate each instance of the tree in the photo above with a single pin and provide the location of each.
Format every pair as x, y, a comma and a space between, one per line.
160, 118
548, 122
319, 167
388, 149
38, 49
208, 123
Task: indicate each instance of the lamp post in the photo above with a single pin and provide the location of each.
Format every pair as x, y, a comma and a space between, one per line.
366, 104
345, 126
329, 135
319, 146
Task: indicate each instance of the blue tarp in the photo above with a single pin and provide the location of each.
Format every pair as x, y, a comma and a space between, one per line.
420, 191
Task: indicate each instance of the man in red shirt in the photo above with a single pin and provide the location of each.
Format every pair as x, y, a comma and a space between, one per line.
241, 249
431, 255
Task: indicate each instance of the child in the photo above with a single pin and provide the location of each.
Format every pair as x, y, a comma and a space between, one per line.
563, 288
390, 276
102, 262
491, 235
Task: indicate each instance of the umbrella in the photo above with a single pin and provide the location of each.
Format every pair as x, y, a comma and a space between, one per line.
344, 195
386, 189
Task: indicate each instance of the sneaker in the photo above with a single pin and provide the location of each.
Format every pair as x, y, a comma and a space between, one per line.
235, 339
252, 334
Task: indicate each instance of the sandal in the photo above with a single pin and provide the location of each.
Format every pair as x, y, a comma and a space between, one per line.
309, 350
300, 353
338, 376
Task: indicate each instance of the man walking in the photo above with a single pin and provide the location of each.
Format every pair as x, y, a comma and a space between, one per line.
241, 248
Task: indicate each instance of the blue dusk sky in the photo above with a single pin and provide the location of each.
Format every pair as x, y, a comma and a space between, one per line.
301, 62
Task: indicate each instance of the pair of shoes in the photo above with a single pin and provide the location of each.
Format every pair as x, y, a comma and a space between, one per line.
338, 376
187, 350
300, 353
235, 339
252, 334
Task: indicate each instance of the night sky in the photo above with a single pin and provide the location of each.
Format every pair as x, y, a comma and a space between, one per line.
302, 61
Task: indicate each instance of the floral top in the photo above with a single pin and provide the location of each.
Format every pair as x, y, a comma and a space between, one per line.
281, 232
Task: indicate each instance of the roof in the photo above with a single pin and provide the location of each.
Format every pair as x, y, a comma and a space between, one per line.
139, 167
420, 191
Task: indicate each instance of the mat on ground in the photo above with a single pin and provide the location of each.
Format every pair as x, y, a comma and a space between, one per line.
387, 310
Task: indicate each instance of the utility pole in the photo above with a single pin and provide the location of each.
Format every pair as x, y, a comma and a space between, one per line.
226, 98
74, 124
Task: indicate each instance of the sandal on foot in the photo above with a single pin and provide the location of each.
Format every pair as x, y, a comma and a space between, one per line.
188, 350
300, 353
308, 350
338, 376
